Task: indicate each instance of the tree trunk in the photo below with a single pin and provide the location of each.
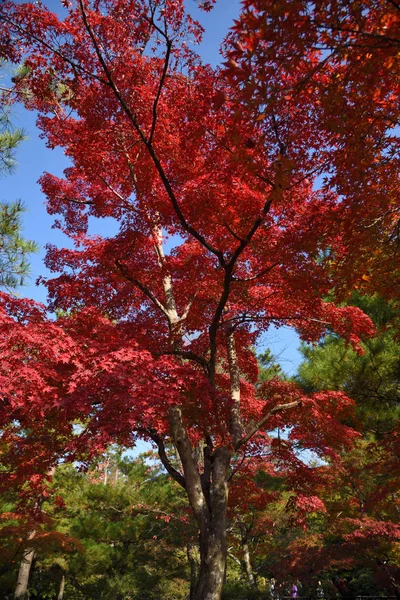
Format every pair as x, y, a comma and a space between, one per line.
21, 589
62, 587
213, 548
193, 558
246, 554
247, 563
208, 497
212, 566
392, 580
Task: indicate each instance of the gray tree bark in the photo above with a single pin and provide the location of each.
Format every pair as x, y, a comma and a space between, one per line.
21, 589
194, 562
208, 500
246, 554
62, 588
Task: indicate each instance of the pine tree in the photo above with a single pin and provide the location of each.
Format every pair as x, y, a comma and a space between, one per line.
10, 137
14, 249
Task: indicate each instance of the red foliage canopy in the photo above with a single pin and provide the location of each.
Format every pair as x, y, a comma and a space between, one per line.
226, 166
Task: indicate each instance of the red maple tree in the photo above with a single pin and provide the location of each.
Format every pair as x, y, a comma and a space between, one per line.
172, 149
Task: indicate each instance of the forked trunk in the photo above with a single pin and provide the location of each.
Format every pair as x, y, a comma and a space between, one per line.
208, 496
21, 589
213, 548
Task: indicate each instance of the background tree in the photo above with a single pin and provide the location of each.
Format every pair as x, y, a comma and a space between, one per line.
359, 533
110, 537
10, 136
370, 378
14, 250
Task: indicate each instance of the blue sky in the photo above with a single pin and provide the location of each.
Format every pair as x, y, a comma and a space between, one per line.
34, 158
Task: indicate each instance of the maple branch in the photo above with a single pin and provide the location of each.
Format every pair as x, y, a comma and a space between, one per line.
263, 178
359, 33
73, 64
237, 237
184, 354
229, 267
212, 330
141, 287
259, 318
233, 557
319, 168
278, 190
169, 468
83, 202
125, 202
194, 486
178, 477
149, 146
260, 274
313, 71
161, 84
150, 511
235, 422
261, 422
282, 147
117, 194
14, 91
188, 307
238, 467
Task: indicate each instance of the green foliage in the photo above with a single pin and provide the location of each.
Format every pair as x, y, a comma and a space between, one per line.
237, 590
268, 366
10, 137
356, 536
131, 547
14, 249
372, 379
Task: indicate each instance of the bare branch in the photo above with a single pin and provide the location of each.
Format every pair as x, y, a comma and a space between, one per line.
237, 237
393, 3
122, 269
238, 467
257, 223
83, 202
164, 458
282, 147
229, 268
188, 307
260, 274
259, 424
233, 557
160, 86
184, 354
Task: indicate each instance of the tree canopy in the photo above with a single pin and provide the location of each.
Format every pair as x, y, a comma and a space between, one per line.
272, 177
